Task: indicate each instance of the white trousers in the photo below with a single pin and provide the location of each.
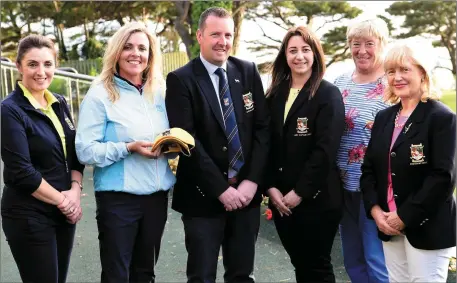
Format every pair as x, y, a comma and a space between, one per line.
407, 264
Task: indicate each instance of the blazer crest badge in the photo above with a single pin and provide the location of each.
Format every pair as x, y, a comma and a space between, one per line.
302, 125
417, 153
248, 102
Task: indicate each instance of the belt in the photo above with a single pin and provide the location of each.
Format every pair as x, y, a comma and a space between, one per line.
233, 180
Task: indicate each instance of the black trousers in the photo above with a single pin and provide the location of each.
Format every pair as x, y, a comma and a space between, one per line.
40, 248
307, 236
235, 231
130, 229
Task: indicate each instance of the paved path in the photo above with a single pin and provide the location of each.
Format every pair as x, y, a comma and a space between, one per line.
271, 265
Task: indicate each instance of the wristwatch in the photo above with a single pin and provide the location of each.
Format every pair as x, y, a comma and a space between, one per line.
77, 182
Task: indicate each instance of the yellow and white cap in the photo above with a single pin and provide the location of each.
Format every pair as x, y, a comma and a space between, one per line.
175, 140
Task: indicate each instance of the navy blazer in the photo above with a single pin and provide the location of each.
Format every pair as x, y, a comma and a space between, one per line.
192, 104
31, 150
304, 147
422, 170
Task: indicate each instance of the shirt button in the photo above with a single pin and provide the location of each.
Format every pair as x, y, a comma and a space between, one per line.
393, 174
280, 169
393, 154
225, 173
224, 148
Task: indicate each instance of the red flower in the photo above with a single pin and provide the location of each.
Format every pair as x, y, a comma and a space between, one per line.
377, 91
356, 154
349, 119
369, 125
268, 214
345, 94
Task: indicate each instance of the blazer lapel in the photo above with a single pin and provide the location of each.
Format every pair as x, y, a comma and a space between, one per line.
279, 105
207, 88
412, 125
389, 128
233, 76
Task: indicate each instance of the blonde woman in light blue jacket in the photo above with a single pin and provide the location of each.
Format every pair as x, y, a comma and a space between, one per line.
122, 113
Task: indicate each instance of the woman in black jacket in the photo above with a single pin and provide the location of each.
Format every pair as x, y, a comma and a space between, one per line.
42, 176
307, 122
408, 173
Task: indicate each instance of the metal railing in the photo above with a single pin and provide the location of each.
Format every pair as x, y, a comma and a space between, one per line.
72, 86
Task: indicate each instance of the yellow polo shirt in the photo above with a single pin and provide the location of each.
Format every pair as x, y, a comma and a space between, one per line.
293, 93
48, 111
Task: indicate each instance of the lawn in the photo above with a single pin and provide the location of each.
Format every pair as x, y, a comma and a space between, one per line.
448, 98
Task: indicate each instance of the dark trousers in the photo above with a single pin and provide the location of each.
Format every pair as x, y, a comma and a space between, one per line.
130, 229
235, 231
41, 250
307, 236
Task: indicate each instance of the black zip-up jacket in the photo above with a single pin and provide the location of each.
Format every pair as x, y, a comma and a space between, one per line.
31, 149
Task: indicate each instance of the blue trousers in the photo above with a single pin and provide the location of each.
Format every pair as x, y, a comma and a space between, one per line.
362, 249
130, 229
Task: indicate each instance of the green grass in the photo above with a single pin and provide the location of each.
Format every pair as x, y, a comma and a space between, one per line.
448, 98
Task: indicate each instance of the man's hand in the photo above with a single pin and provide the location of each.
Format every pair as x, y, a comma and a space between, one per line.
394, 221
291, 200
380, 217
247, 189
232, 199
276, 199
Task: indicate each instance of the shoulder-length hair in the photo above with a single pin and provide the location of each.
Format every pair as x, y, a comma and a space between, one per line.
397, 57
280, 70
152, 75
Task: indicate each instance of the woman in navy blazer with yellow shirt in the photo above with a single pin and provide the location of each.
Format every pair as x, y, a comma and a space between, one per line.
307, 122
408, 173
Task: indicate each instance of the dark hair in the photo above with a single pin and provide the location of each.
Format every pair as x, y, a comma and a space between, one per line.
280, 70
34, 41
212, 11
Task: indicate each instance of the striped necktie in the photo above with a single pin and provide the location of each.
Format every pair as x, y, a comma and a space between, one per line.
235, 152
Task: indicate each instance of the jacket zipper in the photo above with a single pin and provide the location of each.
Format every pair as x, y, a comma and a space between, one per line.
49, 121
152, 127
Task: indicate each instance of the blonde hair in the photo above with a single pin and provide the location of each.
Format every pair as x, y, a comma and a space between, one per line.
152, 74
397, 57
375, 27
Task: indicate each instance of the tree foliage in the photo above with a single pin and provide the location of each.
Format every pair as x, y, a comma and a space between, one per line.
287, 14
435, 18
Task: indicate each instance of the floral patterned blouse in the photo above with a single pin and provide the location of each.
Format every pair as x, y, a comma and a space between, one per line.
362, 102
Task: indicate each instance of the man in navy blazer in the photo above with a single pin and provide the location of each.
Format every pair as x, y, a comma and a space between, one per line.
220, 100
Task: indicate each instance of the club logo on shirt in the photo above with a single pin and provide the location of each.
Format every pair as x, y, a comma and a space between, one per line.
69, 123
302, 125
248, 102
417, 154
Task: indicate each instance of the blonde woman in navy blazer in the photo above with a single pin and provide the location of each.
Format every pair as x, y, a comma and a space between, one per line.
408, 173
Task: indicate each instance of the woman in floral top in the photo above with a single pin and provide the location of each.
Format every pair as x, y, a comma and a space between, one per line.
362, 92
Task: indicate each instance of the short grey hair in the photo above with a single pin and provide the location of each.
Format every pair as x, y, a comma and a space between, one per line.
212, 11
371, 27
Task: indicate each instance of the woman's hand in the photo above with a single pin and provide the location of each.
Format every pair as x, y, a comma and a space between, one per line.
394, 221
380, 217
71, 205
291, 200
276, 198
144, 148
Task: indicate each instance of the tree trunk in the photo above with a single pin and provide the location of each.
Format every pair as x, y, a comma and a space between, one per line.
62, 48
86, 31
180, 26
238, 10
